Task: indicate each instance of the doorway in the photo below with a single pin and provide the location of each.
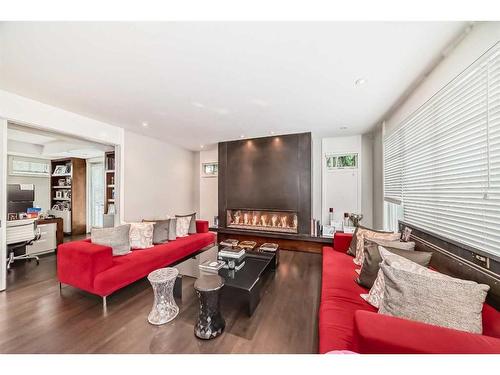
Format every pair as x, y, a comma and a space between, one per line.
96, 193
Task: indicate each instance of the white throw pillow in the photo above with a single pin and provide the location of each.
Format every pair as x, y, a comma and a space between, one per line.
141, 235
182, 226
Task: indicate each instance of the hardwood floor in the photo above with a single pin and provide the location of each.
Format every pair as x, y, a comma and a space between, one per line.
36, 318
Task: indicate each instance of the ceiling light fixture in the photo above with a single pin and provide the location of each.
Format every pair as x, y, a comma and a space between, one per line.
145, 124
242, 136
272, 132
201, 146
360, 82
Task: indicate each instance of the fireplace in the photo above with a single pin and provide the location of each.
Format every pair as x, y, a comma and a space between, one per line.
263, 220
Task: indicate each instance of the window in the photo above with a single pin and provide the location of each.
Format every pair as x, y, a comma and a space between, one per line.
341, 161
443, 163
20, 166
210, 169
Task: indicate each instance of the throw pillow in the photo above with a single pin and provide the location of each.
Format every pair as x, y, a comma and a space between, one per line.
117, 238
370, 234
141, 235
182, 225
354, 242
192, 222
160, 230
376, 294
417, 293
372, 258
172, 229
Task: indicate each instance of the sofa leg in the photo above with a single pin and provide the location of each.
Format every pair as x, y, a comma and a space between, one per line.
104, 305
60, 288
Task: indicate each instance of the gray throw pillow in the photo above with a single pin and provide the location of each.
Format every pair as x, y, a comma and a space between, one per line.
172, 225
117, 238
372, 258
417, 293
192, 223
160, 231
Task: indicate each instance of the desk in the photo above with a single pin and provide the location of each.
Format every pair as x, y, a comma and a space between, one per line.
59, 231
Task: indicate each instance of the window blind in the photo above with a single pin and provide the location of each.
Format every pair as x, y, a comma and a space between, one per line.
443, 163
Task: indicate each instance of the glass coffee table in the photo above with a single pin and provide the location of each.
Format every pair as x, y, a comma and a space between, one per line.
246, 283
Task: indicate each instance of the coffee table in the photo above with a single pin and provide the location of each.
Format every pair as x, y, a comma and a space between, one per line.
247, 282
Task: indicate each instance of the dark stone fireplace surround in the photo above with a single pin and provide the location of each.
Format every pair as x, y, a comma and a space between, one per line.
267, 174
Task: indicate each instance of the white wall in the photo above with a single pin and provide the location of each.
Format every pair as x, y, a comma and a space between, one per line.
482, 37
208, 187
158, 179
341, 188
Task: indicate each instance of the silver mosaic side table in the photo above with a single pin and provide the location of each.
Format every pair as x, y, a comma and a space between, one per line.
164, 307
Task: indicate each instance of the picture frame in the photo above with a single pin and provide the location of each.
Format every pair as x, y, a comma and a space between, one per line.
60, 170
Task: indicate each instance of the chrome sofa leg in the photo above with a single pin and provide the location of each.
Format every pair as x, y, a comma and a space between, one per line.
104, 304
60, 288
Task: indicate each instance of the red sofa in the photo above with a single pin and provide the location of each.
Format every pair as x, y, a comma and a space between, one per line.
347, 322
93, 268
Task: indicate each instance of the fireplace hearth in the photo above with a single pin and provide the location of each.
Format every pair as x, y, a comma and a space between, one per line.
263, 220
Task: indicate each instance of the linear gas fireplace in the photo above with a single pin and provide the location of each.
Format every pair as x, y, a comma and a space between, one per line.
263, 220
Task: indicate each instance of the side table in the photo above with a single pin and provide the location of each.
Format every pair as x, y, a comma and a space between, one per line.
210, 322
164, 307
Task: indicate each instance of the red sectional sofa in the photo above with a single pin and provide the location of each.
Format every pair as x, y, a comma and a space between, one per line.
93, 268
347, 322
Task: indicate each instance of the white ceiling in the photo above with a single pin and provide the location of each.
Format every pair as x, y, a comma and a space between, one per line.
204, 82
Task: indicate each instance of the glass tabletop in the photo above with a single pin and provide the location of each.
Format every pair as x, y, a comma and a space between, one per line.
249, 274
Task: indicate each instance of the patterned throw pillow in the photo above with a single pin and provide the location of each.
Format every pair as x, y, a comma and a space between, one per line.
192, 222
141, 235
370, 234
182, 226
354, 242
417, 293
376, 294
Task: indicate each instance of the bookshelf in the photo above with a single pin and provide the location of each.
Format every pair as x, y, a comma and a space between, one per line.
69, 193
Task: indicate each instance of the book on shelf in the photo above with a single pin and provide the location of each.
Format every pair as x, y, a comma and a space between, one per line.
229, 242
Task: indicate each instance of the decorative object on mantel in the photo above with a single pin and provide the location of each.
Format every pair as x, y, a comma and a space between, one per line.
405, 236
355, 218
328, 230
247, 245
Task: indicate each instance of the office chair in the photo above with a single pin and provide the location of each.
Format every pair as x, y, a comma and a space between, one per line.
21, 233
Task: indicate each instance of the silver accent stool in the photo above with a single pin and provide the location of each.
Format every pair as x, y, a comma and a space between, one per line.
164, 307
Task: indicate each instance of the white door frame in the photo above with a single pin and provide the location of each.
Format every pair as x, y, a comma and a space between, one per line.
3, 203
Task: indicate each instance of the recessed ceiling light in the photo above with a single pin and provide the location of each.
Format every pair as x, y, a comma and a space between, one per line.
360, 82
343, 128
242, 136
272, 132
145, 124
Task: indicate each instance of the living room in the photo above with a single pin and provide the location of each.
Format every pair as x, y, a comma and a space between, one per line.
245, 188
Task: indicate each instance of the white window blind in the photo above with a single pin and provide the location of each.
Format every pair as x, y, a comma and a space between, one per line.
443, 163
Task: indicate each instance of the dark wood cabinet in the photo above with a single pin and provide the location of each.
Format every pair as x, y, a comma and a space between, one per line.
69, 193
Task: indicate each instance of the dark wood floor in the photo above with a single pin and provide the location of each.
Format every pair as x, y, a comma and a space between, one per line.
36, 318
